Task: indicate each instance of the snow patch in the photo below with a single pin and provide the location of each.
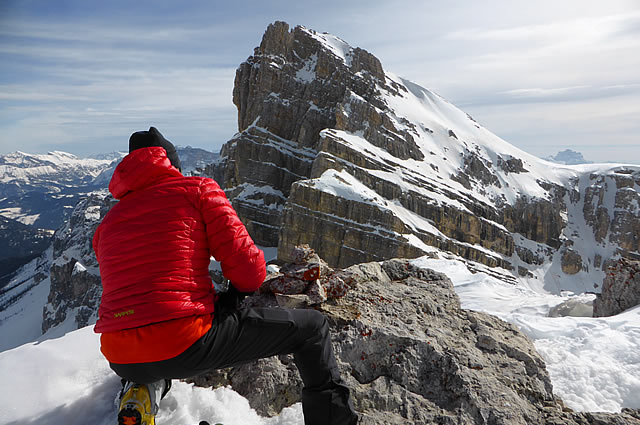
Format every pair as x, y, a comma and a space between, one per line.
307, 73
335, 45
15, 213
344, 185
92, 213
78, 268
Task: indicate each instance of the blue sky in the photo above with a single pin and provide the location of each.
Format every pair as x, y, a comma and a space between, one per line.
80, 76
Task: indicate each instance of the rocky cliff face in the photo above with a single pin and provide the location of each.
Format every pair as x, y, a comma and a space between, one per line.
322, 123
286, 93
410, 354
620, 289
19, 244
75, 277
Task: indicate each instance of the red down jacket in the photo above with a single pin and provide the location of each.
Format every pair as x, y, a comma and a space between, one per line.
154, 245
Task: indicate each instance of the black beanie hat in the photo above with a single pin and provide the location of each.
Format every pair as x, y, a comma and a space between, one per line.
147, 139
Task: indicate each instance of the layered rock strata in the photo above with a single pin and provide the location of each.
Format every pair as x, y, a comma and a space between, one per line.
337, 153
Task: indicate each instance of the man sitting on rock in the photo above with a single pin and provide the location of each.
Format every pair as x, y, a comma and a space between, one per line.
157, 315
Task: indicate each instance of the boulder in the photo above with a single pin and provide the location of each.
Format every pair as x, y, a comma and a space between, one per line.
620, 289
571, 261
410, 354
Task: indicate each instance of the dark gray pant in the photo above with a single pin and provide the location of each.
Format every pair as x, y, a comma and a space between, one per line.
241, 336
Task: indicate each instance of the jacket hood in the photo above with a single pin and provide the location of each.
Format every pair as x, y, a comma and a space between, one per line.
141, 168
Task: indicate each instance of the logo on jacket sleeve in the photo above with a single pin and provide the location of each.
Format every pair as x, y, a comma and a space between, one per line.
123, 314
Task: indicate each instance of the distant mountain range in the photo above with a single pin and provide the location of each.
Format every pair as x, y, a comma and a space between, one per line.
568, 157
39, 191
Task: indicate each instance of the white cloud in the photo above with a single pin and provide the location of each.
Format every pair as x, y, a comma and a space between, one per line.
540, 92
97, 32
91, 116
499, 60
602, 129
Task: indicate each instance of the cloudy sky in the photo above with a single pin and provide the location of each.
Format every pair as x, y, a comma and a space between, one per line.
80, 76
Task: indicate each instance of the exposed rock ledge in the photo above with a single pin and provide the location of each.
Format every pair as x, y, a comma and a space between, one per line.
620, 289
412, 355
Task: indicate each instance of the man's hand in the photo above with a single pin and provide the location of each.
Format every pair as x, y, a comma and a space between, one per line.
230, 300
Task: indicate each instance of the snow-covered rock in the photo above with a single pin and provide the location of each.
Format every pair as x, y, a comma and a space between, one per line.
336, 152
411, 354
74, 274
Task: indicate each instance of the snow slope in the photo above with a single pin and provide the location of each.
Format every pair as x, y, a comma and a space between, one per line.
594, 363
21, 304
67, 381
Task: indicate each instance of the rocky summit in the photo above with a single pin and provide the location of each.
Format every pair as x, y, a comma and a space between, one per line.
408, 351
336, 152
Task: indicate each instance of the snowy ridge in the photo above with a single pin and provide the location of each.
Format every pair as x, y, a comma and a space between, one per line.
24, 168
335, 45
464, 164
436, 118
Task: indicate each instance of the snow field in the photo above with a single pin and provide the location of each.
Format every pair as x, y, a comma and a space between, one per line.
594, 363
67, 381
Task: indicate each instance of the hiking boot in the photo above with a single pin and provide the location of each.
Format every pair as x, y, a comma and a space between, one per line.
137, 405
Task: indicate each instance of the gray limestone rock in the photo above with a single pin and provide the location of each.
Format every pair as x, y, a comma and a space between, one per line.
410, 354
75, 277
573, 307
620, 289
302, 95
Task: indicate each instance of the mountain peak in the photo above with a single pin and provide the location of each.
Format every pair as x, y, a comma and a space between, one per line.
569, 157
317, 116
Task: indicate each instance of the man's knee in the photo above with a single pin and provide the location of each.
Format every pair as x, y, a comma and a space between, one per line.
313, 321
